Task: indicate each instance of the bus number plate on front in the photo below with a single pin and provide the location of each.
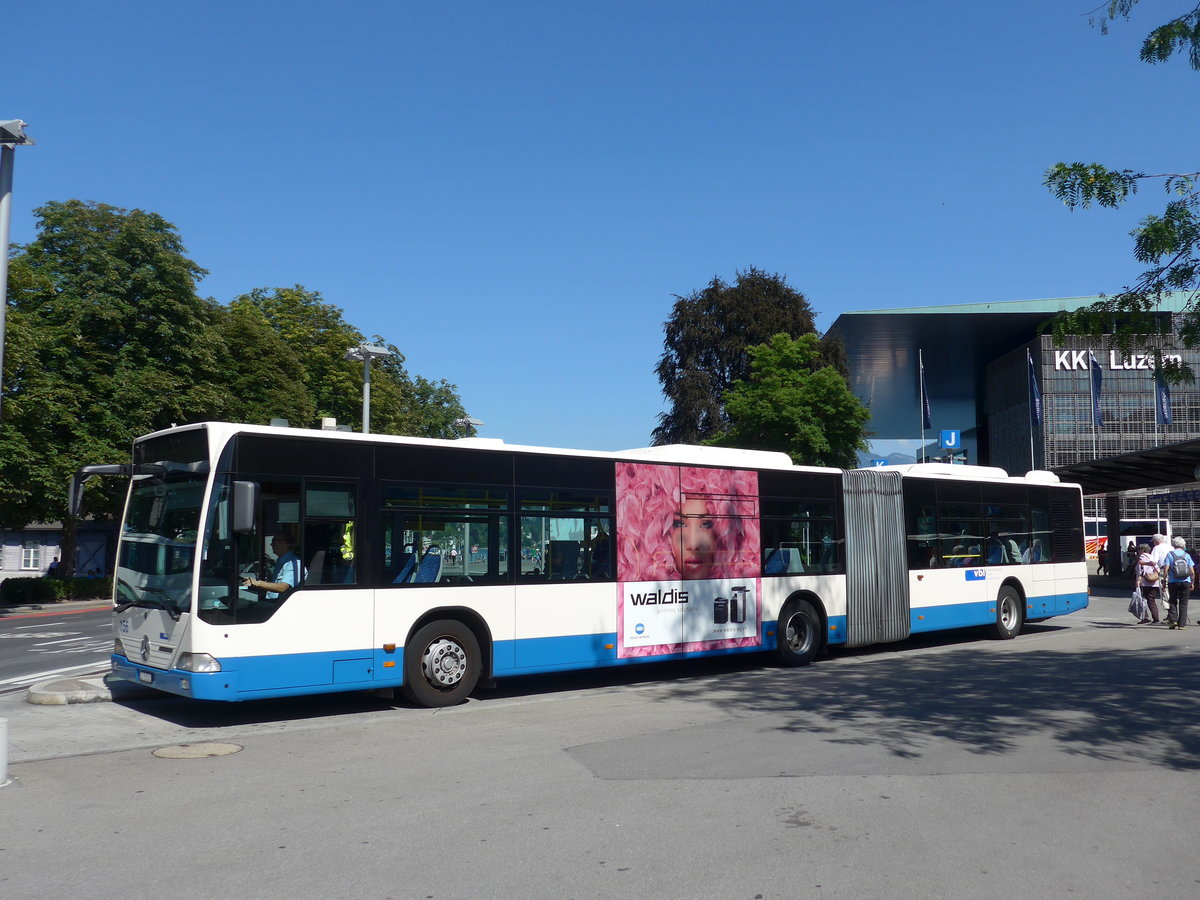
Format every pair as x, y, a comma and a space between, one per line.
146, 677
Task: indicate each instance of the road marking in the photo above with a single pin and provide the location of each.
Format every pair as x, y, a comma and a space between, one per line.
86, 668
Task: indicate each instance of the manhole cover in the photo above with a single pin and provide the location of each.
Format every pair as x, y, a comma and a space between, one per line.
197, 751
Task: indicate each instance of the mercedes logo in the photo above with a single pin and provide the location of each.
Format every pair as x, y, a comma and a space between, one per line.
145, 648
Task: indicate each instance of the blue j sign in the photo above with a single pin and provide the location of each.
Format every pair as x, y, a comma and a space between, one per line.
951, 440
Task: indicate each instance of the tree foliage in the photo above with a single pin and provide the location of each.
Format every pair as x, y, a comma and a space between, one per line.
318, 337
705, 348
795, 402
107, 339
1167, 243
1180, 35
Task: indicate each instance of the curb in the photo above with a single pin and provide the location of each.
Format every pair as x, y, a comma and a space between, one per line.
62, 691
85, 689
64, 606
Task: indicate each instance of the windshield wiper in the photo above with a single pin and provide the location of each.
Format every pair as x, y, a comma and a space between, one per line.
171, 608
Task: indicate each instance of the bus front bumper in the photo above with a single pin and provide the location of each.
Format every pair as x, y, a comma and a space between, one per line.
197, 685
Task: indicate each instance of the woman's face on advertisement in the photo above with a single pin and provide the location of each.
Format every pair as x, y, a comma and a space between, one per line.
693, 540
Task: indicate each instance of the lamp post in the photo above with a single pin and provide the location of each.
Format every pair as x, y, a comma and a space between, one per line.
367, 352
466, 424
12, 135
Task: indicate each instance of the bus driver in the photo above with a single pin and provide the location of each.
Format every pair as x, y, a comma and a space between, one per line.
287, 572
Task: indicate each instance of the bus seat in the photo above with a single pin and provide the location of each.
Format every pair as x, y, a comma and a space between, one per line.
404, 576
316, 568
430, 569
777, 561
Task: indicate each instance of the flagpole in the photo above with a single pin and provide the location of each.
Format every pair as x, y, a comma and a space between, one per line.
1154, 394
1092, 394
1032, 384
921, 398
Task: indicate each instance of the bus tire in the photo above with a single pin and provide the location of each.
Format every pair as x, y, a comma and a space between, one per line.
799, 633
442, 664
1009, 613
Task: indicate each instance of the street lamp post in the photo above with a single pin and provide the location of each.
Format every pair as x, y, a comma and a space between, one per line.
467, 424
367, 352
12, 135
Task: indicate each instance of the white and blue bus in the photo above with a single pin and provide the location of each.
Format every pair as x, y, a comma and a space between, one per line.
260, 562
1135, 531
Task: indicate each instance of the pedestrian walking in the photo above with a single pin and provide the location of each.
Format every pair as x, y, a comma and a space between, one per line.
1100, 561
1159, 548
1181, 575
1148, 580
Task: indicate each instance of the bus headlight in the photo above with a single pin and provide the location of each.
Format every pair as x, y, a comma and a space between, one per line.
197, 662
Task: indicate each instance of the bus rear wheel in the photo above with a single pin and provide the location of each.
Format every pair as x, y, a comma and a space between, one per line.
1009, 614
442, 663
799, 633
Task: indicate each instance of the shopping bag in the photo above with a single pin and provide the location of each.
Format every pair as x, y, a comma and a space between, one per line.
1137, 606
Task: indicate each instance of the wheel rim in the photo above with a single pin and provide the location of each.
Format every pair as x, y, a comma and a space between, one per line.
1008, 612
798, 634
444, 663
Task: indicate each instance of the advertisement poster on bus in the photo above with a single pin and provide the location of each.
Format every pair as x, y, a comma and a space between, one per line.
687, 559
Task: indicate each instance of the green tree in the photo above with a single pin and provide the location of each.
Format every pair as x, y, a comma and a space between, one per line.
318, 337
1168, 243
704, 350
261, 378
110, 341
795, 402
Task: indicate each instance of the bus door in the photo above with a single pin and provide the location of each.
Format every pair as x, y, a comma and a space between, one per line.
286, 592
877, 589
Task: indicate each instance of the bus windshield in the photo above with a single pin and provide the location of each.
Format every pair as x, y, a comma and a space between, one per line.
162, 520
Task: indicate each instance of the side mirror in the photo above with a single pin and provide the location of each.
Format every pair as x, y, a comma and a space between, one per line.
245, 505
75, 498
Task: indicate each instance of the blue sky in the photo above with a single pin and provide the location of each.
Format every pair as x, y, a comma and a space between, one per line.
513, 192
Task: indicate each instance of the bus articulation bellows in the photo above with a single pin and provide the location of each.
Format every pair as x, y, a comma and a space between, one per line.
262, 562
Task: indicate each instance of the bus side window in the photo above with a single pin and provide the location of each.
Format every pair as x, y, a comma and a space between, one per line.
921, 528
330, 538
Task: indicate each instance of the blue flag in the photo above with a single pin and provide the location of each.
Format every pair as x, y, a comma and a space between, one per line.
1097, 381
1162, 400
926, 420
1035, 395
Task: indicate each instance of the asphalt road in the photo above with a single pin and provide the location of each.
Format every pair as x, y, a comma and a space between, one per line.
1061, 764
40, 644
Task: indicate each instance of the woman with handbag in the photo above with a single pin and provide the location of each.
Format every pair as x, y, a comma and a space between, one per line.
1148, 582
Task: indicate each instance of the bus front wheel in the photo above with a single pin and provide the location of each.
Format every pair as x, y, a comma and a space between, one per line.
1009, 614
442, 663
799, 633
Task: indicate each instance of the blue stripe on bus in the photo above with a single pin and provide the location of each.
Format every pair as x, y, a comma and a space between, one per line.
964, 615
289, 674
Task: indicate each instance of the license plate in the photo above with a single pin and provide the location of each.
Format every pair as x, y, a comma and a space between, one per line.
146, 677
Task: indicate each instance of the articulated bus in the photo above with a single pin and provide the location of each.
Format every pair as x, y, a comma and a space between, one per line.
262, 562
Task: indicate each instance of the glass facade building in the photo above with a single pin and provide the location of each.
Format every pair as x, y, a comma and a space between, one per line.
981, 362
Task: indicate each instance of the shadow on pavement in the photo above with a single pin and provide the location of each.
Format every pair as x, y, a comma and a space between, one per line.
1094, 704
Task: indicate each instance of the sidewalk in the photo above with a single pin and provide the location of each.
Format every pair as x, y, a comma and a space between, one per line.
50, 609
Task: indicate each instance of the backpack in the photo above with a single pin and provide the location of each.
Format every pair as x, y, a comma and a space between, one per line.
1181, 566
